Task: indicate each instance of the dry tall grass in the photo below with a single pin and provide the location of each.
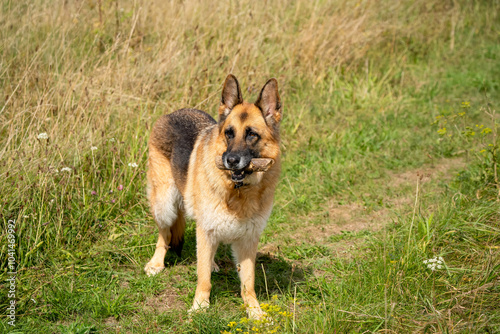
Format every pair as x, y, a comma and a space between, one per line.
75, 69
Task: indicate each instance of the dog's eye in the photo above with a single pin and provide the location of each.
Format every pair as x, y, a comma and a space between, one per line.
252, 135
229, 133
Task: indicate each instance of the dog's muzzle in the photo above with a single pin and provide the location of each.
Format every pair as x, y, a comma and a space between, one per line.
236, 161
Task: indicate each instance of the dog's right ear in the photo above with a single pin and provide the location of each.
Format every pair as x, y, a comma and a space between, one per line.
231, 96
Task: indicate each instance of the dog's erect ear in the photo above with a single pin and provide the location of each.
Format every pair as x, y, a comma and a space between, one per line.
269, 103
231, 96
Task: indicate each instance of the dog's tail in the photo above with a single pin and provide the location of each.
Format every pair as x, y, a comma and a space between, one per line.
177, 238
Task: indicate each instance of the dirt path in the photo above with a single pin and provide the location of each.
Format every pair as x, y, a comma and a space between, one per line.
398, 194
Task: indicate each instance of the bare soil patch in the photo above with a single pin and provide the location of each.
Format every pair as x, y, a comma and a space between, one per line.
170, 297
354, 217
440, 170
166, 301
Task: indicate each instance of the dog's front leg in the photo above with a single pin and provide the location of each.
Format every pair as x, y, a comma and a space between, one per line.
245, 252
205, 252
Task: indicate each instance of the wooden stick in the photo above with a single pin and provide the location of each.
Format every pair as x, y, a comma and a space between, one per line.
256, 165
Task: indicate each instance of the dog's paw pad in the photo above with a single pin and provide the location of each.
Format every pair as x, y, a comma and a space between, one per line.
152, 270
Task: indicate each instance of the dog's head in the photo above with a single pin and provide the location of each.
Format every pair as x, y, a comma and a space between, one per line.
248, 130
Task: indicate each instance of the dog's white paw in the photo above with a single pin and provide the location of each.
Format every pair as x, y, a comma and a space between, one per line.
215, 267
199, 306
256, 313
152, 269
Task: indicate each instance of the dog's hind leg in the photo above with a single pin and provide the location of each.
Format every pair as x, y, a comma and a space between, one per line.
156, 265
165, 201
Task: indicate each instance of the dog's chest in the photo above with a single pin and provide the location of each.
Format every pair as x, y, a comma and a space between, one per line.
226, 228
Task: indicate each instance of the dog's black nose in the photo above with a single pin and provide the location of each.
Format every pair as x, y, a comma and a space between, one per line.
233, 160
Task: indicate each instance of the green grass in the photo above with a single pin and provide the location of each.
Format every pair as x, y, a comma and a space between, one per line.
362, 84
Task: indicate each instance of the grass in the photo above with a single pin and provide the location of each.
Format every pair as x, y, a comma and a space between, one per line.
362, 84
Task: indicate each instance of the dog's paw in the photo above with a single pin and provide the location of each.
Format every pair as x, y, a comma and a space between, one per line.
215, 267
152, 269
256, 313
199, 306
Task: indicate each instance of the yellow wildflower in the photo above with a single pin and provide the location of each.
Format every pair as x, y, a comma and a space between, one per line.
485, 131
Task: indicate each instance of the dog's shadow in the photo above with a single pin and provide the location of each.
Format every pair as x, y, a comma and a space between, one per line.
273, 274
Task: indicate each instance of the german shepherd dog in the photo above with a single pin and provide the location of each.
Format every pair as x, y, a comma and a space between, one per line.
230, 205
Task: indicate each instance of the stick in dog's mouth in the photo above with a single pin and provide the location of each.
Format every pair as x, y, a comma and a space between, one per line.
256, 165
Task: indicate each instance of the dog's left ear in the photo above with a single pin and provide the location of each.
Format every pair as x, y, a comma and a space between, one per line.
269, 103
231, 96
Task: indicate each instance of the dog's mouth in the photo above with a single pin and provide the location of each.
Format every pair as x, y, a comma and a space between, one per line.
239, 175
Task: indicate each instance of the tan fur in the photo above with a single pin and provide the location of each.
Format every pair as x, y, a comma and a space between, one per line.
223, 212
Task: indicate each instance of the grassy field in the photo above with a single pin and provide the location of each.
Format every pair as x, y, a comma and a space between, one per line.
390, 157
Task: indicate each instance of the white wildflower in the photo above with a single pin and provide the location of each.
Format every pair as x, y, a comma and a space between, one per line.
434, 263
65, 169
111, 140
93, 148
132, 164
43, 135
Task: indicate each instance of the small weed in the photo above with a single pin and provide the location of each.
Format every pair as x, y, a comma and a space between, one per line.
277, 320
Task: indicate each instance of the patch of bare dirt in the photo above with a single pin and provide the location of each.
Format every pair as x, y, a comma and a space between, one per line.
111, 322
164, 302
441, 169
169, 299
354, 217
268, 249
